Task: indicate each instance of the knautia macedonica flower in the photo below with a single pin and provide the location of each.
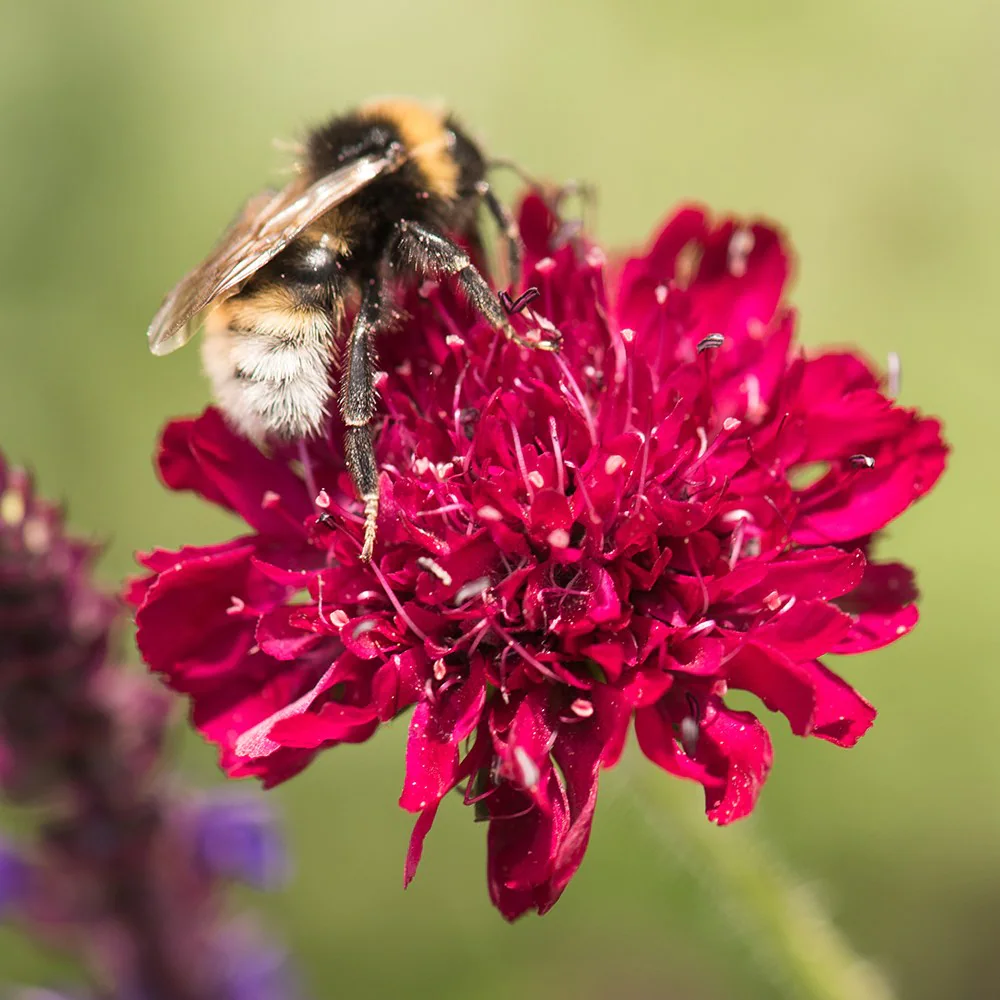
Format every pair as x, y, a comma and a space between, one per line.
679, 503
125, 870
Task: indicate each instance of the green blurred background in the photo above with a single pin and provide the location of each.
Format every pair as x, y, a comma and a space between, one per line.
129, 133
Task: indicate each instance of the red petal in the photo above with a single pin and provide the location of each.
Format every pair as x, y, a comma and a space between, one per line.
739, 739
432, 751
815, 701
205, 456
732, 757
280, 634
183, 629
420, 830
805, 630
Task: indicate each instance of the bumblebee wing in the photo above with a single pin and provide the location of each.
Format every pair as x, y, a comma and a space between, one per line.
267, 224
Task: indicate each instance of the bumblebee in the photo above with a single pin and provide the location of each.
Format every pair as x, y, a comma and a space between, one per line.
385, 193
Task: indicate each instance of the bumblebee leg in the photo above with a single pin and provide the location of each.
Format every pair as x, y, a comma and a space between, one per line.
419, 249
554, 196
572, 229
357, 406
508, 226
503, 163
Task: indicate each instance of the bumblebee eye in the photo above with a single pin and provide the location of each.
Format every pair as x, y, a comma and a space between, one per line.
312, 264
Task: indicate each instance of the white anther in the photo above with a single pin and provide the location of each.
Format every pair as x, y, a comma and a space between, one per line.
895, 374
559, 538
471, 589
424, 562
530, 773
12, 507
741, 245
689, 735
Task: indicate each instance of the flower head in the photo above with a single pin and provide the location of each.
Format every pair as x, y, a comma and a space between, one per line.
679, 503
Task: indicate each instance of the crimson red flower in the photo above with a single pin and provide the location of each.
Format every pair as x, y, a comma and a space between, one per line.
679, 503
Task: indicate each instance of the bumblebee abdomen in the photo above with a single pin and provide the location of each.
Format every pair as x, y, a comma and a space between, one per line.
267, 355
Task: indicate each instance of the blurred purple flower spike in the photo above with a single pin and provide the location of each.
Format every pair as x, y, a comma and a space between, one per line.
14, 877
125, 869
238, 838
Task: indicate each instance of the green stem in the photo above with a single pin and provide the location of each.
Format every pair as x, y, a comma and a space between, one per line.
782, 922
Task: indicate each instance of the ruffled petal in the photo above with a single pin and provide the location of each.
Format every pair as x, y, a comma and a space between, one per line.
815, 700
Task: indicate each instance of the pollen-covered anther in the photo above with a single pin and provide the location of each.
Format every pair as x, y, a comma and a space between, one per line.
12, 507
435, 569
756, 408
323, 500
363, 626
236, 606
741, 245
862, 461
689, 731
489, 513
773, 601
894, 375
661, 294
582, 707
37, 535
440, 670
270, 499
471, 589
529, 773
703, 626
628, 335
558, 538
713, 340
613, 463
536, 479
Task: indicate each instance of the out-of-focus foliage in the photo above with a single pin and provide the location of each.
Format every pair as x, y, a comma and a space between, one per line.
868, 129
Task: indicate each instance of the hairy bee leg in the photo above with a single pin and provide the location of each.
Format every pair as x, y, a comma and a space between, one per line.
508, 226
417, 248
357, 406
